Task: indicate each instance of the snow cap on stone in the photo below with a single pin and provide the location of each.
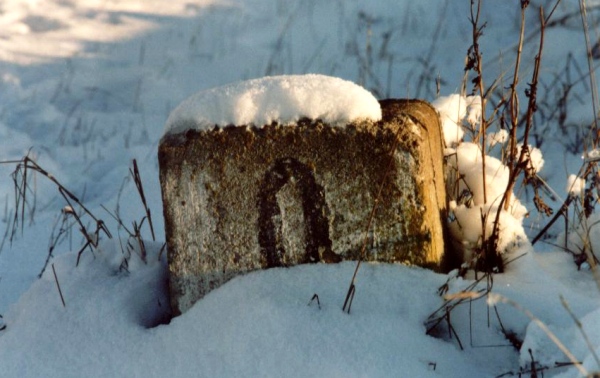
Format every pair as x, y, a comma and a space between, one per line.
283, 99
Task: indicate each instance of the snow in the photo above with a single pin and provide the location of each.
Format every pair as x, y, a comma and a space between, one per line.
575, 186
534, 156
499, 137
478, 211
453, 109
281, 99
87, 86
263, 323
592, 155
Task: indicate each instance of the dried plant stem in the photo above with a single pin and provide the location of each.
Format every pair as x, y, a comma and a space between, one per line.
592, 74
56, 238
514, 111
478, 66
135, 233
467, 295
20, 178
519, 165
135, 173
562, 212
7, 232
62, 299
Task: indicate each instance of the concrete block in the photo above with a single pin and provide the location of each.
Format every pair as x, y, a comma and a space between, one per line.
238, 198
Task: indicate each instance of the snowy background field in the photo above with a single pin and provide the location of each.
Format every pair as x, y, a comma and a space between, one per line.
87, 85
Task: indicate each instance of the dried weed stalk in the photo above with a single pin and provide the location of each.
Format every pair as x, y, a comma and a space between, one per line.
135, 242
519, 125
24, 176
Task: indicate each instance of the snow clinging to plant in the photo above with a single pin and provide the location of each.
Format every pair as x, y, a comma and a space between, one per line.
477, 188
283, 99
453, 109
575, 186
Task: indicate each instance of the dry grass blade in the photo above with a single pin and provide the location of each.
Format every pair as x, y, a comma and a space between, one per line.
475, 63
315, 297
467, 295
135, 173
581, 330
463, 295
135, 234
21, 177
162, 250
57, 237
7, 232
592, 74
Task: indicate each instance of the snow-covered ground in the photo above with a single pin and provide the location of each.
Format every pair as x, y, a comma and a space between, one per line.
86, 86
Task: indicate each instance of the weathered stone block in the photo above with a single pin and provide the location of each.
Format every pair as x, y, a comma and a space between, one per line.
237, 199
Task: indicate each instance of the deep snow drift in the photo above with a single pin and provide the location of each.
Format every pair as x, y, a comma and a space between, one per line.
265, 324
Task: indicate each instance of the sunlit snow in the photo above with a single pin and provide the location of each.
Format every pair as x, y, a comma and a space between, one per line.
280, 99
87, 86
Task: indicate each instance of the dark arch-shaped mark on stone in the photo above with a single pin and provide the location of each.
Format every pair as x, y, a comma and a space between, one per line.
314, 208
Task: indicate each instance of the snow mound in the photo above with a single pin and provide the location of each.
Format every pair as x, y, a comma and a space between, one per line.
282, 99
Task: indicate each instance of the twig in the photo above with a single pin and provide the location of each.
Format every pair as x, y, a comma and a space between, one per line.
533, 367
315, 297
453, 331
62, 299
454, 300
477, 32
519, 165
561, 212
